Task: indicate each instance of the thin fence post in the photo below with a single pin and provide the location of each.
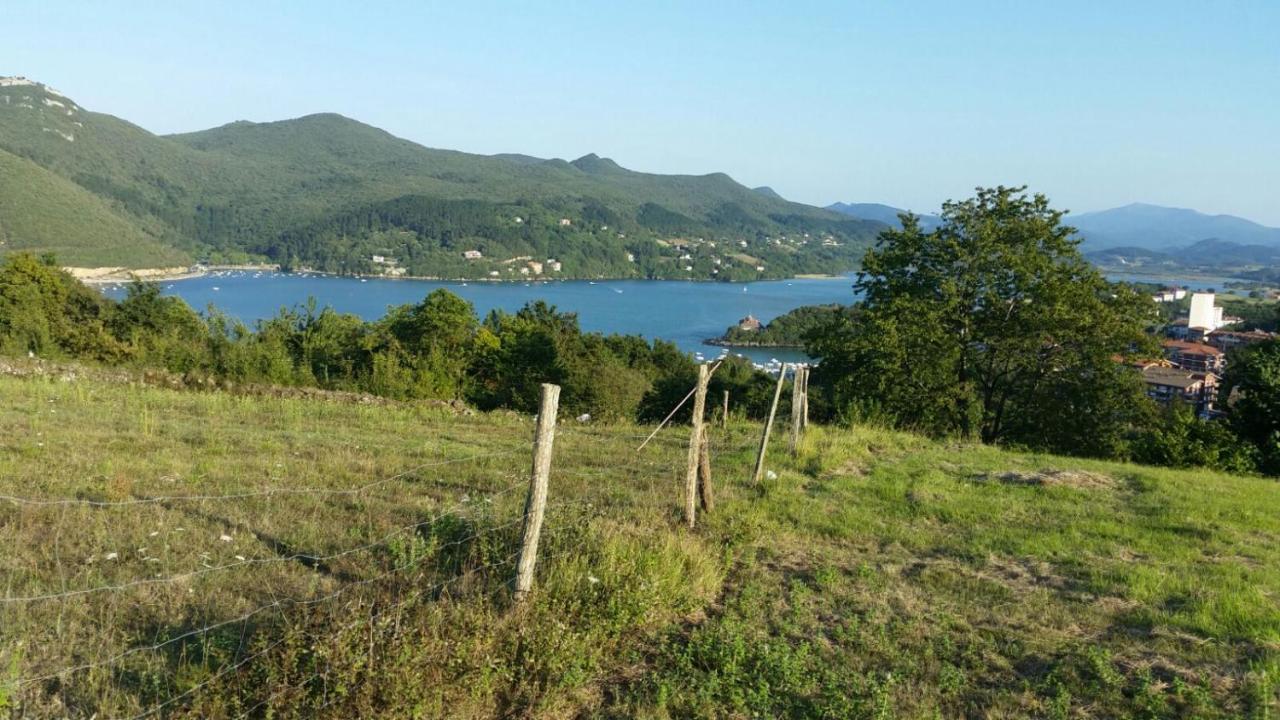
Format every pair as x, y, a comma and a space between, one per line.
724, 414
804, 406
695, 446
768, 425
536, 504
705, 496
797, 403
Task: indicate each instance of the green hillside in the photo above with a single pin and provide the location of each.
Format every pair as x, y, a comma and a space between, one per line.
351, 559
43, 212
255, 188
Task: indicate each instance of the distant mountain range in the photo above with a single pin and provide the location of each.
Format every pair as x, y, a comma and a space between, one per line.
331, 193
1143, 235
886, 214
1153, 227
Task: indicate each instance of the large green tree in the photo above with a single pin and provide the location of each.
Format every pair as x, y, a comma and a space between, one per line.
1251, 389
991, 326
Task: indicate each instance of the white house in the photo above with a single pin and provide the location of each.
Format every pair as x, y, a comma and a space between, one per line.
472, 254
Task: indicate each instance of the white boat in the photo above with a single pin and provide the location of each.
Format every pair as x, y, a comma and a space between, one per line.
216, 288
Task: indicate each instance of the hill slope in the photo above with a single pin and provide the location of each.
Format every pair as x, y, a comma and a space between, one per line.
42, 212
879, 574
243, 187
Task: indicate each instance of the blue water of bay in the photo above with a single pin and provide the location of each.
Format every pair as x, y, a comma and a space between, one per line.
686, 313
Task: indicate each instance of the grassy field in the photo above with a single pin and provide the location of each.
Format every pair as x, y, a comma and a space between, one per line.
235, 556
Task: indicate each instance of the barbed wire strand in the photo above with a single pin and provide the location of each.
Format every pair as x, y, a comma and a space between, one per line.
543, 560
679, 405
241, 663
255, 493
373, 617
418, 592
245, 617
296, 557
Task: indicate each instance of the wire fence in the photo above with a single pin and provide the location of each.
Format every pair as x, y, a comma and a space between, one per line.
81, 623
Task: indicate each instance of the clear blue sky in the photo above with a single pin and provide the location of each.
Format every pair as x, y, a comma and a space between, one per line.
1096, 104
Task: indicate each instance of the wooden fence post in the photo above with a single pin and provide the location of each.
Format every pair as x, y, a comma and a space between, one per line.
768, 425
804, 406
536, 504
695, 446
724, 415
797, 405
704, 474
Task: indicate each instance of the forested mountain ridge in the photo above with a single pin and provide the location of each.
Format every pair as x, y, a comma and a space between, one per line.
329, 192
1166, 229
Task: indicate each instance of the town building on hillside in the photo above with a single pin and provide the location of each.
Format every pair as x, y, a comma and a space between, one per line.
749, 323
565, 222
553, 265
535, 267
1179, 330
1226, 340
1170, 294
1194, 356
1143, 363
472, 254
1167, 385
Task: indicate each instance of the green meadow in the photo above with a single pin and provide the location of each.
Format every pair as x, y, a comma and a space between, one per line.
223, 555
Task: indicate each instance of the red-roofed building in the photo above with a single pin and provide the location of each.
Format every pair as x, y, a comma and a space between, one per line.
1195, 357
1226, 340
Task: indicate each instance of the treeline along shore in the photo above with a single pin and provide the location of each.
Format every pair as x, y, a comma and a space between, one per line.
991, 326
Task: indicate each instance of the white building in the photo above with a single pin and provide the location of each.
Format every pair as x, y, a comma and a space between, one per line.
553, 265
472, 254
1204, 314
